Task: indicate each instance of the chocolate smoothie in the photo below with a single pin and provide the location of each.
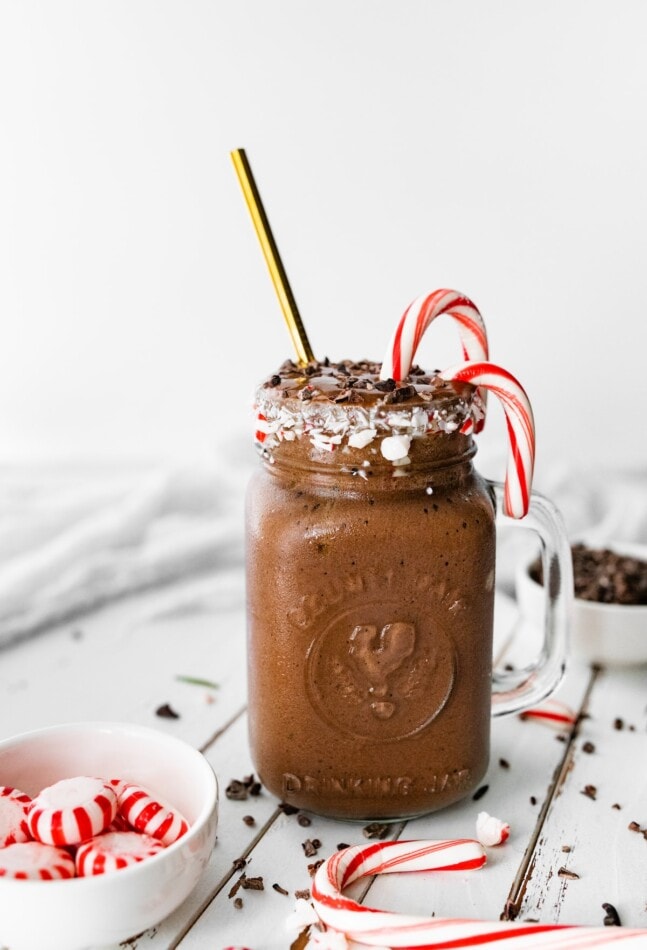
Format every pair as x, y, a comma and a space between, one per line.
370, 570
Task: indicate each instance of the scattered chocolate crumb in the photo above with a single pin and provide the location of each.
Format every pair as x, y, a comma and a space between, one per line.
588, 747
569, 875
566, 848
342, 845
533, 800
313, 868
288, 809
304, 821
310, 848
238, 864
166, 711
238, 903
509, 668
275, 380
590, 791
253, 884
560, 737
504, 763
236, 790
280, 890
479, 793
376, 830
612, 918
618, 724
239, 789
634, 826
236, 887
249, 820
632, 728
303, 895
616, 806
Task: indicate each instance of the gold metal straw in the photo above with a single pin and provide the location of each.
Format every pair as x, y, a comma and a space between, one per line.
272, 257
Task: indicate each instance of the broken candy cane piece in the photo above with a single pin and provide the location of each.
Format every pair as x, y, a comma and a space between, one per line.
491, 831
551, 713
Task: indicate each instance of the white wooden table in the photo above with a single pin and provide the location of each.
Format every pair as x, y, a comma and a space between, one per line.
123, 663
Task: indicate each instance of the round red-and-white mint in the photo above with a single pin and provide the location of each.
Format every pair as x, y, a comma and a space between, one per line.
415, 320
34, 861
520, 423
114, 850
72, 810
149, 814
365, 926
14, 806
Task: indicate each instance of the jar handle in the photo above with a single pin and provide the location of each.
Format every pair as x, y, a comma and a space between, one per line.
514, 690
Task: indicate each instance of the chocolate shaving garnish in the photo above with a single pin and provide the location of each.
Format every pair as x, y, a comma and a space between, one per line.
304, 821
385, 385
166, 712
255, 789
479, 793
618, 724
569, 875
400, 395
634, 826
275, 380
616, 806
533, 800
280, 890
590, 791
236, 887
588, 747
249, 820
342, 845
313, 868
376, 830
303, 895
504, 763
566, 848
612, 918
238, 903
238, 864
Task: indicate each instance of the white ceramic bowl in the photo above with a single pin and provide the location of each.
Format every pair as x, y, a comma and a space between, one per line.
609, 634
106, 909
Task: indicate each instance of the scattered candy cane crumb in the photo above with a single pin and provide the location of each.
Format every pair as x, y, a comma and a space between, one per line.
303, 915
491, 831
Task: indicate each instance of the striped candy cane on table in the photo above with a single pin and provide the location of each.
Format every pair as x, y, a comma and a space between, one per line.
520, 423
415, 320
364, 926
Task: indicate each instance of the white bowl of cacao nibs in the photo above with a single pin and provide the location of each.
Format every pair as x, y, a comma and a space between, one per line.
609, 616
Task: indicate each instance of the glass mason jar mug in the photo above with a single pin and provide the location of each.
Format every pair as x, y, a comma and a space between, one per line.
370, 586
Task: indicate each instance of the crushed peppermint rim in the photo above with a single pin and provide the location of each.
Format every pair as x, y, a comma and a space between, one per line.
346, 404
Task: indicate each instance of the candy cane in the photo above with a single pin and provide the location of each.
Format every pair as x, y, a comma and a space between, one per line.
521, 428
365, 926
417, 317
415, 320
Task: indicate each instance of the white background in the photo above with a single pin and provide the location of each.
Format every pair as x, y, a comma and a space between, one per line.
499, 148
